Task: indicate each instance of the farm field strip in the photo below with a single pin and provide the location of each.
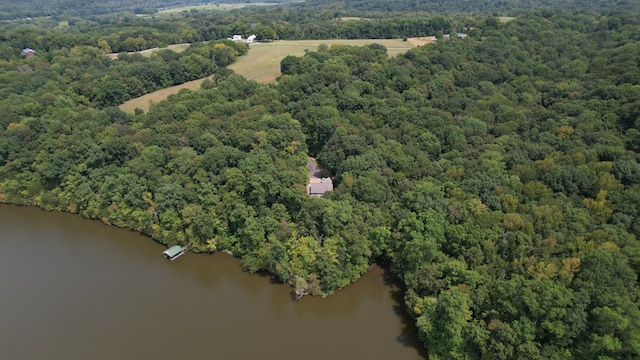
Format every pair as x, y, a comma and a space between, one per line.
262, 63
175, 47
213, 7
144, 101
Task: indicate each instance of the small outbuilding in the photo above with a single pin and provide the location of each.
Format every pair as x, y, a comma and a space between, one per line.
28, 52
173, 252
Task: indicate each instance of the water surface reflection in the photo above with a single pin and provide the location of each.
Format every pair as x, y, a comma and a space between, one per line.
77, 289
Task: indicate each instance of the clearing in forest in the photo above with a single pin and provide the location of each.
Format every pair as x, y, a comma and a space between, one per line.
316, 174
175, 47
262, 63
144, 101
419, 41
213, 7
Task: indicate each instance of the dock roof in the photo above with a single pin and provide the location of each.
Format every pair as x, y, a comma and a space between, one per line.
173, 251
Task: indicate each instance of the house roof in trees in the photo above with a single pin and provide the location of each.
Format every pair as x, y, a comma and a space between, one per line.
320, 187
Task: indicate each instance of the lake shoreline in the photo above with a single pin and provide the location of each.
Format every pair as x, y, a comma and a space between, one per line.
96, 279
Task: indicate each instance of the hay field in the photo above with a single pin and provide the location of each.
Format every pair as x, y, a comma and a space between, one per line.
175, 47
213, 7
419, 41
262, 63
143, 101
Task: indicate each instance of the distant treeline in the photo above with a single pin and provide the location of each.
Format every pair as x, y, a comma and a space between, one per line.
476, 6
129, 33
16, 9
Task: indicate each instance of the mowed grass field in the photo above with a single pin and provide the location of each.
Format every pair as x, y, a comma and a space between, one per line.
262, 63
144, 101
213, 7
175, 47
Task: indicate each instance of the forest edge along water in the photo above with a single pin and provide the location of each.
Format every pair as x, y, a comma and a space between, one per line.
75, 288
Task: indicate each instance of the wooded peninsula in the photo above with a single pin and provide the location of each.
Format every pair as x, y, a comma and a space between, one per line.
495, 171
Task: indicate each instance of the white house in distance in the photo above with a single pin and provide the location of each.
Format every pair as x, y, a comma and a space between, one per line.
248, 40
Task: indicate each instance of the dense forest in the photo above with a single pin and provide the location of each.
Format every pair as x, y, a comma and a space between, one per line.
16, 9
498, 175
478, 6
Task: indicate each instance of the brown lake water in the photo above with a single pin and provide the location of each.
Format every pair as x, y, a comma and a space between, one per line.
72, 288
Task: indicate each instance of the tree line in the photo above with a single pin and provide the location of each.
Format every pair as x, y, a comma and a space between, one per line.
116, 33
507, 7
14, 9
102, 82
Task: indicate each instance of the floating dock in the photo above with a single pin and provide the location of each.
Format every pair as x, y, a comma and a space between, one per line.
174, 252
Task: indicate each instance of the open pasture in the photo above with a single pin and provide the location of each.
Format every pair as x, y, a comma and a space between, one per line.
143, 102
213, 7
175, 47
262, 63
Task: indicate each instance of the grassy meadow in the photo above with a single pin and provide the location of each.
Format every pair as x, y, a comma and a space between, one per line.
144, 101
175, 47
213, 7
262, 63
